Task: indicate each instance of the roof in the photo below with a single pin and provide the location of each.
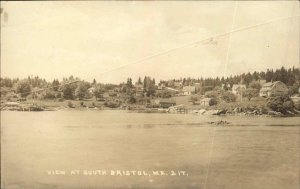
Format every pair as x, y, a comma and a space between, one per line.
205, 99
270, 84
171, 89
236, 86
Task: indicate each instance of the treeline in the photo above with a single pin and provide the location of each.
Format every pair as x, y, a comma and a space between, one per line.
289, 76
73, 87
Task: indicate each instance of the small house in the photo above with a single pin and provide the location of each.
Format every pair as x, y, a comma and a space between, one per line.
276, 88
237, 88
139, 92
188, 90
91, 90
296, 100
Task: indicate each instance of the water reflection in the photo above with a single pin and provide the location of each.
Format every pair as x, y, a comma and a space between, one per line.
249, 153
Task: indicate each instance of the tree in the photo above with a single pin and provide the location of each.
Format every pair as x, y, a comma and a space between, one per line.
131, 99
129, 83
24, 88
250, 93
81, 90
293, 89
55, 85
98, 92
49, 94
255, 85
212, 94
140, 81
94, 82
68, 92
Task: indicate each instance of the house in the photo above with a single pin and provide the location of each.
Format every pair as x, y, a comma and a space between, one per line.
139, 92
296, 100
171, 89
188, 90
91, 90
161, 86
273, 89
262, 81
236, 88
165, 103
177, 84
225, 86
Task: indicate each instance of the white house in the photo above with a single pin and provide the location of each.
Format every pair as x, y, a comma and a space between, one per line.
236, 88
188, 90
273, 89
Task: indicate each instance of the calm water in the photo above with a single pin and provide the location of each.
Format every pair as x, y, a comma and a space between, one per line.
253, 153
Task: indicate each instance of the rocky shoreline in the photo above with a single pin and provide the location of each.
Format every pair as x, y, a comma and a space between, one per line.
247, 112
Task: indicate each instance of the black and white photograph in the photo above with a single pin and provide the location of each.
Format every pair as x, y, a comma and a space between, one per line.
150, 95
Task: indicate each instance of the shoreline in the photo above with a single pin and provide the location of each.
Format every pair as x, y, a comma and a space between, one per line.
198, 112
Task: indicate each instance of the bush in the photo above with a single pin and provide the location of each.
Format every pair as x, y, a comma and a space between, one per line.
213, 101
111, 104
194, 99
211, 94
280, 104
228, 96
70, 104
250, 93
82, 104
60, 100
49, 95
288, 105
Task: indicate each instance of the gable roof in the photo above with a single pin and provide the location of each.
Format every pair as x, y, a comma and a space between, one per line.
236, 86
271, 84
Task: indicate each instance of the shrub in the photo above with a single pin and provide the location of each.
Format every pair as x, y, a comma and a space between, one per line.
211, 94
250, 93
213, 101
49, 95
280, 103
194, 99
70, 104
288, 105
111, 104
228, 96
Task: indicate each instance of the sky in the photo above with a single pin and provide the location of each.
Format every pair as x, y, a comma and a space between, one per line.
111, 41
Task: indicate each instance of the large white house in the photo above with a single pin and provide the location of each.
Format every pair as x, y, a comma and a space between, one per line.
188, 90
273, 89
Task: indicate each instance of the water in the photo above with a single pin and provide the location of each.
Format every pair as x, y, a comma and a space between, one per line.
251, 153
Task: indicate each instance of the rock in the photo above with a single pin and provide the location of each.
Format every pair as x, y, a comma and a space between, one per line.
274, 113
236, 110
202, 111
211, 112
220, 112
219, 122
289, 112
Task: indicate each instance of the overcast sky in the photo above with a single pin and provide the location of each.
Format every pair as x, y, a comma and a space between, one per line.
106, 40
